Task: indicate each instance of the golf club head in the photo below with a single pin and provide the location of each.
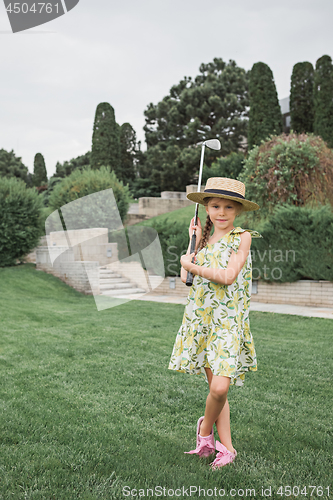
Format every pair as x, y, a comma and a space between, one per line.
213, 144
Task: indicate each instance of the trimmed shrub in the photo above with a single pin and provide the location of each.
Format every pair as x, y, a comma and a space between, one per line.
20, 220
85, 182
293, 169
296, 244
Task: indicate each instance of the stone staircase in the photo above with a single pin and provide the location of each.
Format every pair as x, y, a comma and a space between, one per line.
113, 284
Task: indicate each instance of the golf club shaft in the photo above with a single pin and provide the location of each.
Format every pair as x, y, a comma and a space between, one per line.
189, 277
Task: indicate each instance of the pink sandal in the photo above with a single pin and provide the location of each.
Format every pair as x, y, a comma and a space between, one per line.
224, 456
205, 445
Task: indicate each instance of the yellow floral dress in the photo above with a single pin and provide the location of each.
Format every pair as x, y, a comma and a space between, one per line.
215, 331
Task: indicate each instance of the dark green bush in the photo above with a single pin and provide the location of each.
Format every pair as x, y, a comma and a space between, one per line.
229, 166
87, 181
20, 220
297, 244
296, 169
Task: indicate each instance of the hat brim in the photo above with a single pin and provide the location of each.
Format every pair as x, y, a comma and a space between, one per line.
248, 206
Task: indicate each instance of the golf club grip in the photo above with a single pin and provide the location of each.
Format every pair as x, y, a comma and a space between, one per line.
189, 277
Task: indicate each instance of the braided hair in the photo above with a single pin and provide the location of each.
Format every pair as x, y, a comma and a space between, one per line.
208, 226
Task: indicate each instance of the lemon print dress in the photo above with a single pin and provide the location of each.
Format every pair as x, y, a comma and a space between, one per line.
215, 331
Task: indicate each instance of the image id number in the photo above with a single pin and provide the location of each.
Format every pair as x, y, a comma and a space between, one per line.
17, 7
305, 490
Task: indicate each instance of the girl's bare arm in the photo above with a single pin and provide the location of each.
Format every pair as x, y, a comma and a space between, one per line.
236, 262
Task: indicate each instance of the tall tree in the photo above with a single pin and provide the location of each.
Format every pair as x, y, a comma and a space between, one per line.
12, 166
105, 140
301, 98
213, 104
265, 116
323, 99
40, 173
128, 149
66, 168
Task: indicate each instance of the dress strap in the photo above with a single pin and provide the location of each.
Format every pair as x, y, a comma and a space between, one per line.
234, 238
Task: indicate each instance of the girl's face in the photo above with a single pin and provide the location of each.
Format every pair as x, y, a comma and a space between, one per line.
222, 212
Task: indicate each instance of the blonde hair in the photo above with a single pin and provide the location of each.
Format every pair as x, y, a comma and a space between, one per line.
208, 226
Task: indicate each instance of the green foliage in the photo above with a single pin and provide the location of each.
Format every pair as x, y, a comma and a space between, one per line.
174, 240
296, 244
323, 102
88, 181
265, 116
20, 223
293, 169
171, 169
301, 98
12, 166
50, 186
230, 167
40, 173
66, 168
128, 148
105, 141
142, 187
213, 104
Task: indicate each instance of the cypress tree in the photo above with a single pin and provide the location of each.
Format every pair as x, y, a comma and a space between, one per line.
265, 116
323, 99
301, 98
40, 174
105, 140
127, 152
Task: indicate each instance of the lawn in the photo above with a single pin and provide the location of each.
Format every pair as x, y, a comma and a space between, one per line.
89, 409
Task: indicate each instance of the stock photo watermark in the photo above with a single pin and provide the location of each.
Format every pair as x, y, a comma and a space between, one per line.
196, 491
24, 15
86, 240
272, 272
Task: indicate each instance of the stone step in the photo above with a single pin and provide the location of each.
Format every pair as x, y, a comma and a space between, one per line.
107, 271
110, 281
110, 276
120, 292
117, 286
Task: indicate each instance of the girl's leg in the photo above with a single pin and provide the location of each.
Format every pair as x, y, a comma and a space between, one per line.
217, 409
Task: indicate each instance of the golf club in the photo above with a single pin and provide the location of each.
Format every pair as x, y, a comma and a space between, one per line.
212, 144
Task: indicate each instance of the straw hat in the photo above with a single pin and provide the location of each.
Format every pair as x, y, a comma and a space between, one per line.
222, 187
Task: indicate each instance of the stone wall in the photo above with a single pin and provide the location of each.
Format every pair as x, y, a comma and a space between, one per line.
153, 206
301, 292
81, 275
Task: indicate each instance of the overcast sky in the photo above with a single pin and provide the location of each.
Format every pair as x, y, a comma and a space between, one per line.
130, 53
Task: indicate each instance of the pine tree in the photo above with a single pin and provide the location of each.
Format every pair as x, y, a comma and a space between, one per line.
265, 116
323, 99
40, 174
105, 141
301, 98
211, 105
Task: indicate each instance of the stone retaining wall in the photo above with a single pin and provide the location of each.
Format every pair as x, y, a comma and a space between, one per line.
83, 276
301, 292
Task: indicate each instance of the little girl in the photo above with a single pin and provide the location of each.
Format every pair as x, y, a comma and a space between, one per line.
215, 338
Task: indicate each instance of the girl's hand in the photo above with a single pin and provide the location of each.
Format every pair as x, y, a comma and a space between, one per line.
186, 261
198, 230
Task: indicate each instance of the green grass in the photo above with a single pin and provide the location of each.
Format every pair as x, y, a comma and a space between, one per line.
88, 405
